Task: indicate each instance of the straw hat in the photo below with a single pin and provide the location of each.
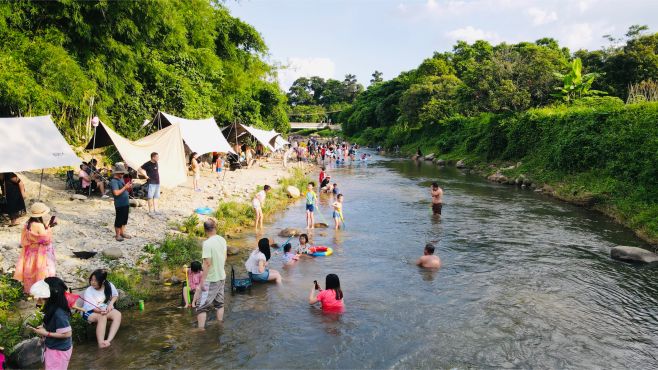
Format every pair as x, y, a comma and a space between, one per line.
119, 167
38, 209
40, 289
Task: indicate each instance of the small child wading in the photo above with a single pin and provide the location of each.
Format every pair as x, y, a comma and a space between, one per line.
311, 199
194, 274
338, 211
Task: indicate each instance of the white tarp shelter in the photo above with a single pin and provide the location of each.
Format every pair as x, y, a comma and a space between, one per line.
200, 135
31, 143
280, 142
168, 143
236, 134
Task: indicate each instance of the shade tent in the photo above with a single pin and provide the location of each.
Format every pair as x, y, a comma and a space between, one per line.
168, 143
200, 135
31, 143
237, 133
280, 142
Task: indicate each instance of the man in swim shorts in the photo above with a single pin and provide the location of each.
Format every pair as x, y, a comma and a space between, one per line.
437, 198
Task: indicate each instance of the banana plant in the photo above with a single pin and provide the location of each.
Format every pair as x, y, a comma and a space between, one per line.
575, 85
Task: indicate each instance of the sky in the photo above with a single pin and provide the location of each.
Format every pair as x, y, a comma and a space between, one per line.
331, 38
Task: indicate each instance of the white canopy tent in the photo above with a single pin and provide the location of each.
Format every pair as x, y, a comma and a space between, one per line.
236, 134
168, 143
32, 143
201, 135
280, 142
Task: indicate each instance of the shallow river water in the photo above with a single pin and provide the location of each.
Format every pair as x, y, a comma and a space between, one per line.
526, 282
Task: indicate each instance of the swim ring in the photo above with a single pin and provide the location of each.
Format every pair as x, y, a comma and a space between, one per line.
320, 251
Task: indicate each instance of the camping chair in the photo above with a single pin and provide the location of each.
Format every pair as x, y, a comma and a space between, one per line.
241, 284
233, 161
72, 183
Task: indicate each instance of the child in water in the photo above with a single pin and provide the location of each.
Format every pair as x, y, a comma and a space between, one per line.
338, 211
288, 256
194, 277
331, 298
311, 199
303, 247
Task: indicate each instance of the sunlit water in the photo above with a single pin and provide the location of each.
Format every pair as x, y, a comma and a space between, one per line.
527, 282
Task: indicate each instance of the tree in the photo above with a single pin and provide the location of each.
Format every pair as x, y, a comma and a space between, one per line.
351, 88
575, 85
376, 77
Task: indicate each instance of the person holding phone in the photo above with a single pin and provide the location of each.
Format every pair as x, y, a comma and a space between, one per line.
331, 298
37, 259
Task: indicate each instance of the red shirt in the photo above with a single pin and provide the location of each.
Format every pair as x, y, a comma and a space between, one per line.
329, 302
321, 176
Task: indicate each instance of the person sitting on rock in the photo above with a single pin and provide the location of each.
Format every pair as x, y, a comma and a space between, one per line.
99, 299
429, 260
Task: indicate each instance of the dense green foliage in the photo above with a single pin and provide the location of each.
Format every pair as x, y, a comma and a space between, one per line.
498, 104
315, 99
125, 60
11, 328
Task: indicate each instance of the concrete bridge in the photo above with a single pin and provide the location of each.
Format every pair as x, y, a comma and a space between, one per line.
314, 126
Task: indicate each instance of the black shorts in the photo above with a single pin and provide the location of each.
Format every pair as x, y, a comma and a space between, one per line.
436, 208
121, 218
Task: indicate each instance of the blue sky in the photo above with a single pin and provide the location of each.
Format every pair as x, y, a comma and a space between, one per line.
331, 38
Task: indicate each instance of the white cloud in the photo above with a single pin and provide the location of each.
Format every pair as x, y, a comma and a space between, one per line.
540, 16
584, 5
578, 36
471, 34
305, 67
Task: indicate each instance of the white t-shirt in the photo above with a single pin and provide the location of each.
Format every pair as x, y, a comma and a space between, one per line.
96, 297
252, 262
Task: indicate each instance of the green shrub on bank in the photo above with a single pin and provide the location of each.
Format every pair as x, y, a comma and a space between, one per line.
173, 252
11, 325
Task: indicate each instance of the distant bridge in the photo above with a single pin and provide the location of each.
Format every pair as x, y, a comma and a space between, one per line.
314, 126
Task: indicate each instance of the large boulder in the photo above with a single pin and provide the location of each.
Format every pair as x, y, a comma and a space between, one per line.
440, 162
112, 253
633, 254
289, 231
26, 354
429, 157
460, 164
293, 192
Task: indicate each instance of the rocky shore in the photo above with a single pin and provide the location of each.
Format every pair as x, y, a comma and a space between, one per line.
86, 223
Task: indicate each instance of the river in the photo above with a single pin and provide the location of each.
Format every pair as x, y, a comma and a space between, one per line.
526, 282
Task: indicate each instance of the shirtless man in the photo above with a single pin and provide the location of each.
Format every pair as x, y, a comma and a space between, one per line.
437, 198
429, 260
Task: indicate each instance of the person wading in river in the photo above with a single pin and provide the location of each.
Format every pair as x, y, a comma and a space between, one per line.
429, 260
214, 257
437, 198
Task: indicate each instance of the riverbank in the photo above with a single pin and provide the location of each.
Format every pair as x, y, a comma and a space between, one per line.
599, 153
87, 225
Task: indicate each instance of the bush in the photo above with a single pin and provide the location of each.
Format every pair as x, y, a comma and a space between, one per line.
173, 253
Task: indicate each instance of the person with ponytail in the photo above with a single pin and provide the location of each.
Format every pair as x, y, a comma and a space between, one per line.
331, 298
56, 328
98, 306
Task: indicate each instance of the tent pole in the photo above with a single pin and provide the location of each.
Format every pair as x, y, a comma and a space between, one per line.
40, 183
92, 156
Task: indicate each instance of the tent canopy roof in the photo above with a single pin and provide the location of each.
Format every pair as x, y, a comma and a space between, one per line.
200, 135
31, 143
239, 131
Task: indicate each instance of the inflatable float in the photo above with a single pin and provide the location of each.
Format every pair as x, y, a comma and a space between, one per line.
320, 251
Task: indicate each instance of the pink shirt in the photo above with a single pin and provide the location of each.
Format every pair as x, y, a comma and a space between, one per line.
82, 174
195, 279
329, 302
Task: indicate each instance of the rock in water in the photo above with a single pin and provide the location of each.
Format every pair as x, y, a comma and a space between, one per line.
429, 157
460, 164
112, 253
289, 231
633, 254
232, 251
26, 354
320, 225
293, 192
440, 162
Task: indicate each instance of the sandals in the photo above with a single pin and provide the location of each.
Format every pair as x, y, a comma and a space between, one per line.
118, 238
125, 236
